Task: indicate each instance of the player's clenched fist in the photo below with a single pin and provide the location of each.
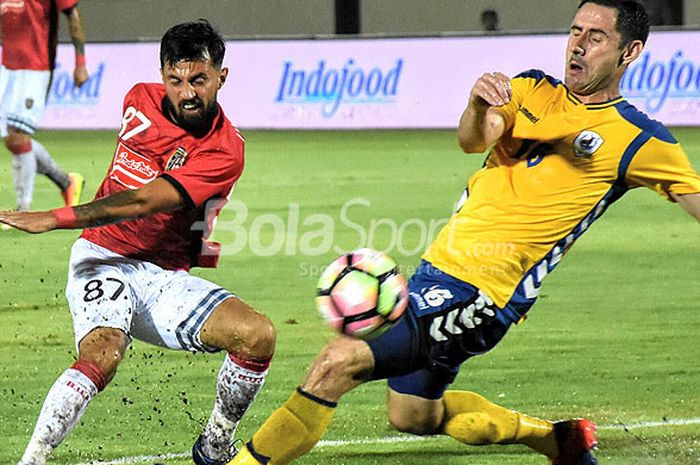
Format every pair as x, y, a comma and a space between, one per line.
491, 90
80, 76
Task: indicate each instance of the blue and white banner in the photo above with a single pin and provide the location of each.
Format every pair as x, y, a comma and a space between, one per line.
369, 83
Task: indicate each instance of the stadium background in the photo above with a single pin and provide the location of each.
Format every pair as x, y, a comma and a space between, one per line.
614, 336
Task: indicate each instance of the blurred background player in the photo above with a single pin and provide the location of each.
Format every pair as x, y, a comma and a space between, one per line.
561, 153
489, 20
177, 160
29, 38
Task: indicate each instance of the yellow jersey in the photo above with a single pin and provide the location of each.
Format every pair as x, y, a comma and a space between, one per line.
559, 165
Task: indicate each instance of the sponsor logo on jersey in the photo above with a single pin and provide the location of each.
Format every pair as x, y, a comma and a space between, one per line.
330, 87
11, 6
532, 118
131, 169
177, 159
587, 143
29, 103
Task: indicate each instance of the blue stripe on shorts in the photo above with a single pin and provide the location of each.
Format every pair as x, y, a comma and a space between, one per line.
187, 332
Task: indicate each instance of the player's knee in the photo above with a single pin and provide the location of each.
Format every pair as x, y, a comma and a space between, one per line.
253, 338
240, 330
414, 422
341, 366
342, 358
104, 348
260, 340
415, 415
18, 143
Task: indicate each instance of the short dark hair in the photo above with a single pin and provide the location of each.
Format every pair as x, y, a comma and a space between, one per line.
489, 13
632, 18
196, 40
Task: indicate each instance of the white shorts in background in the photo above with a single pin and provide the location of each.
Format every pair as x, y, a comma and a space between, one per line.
162, 307
22, 98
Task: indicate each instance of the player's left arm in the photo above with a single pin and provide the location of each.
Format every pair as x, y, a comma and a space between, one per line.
157, 196
77, 35
690, 202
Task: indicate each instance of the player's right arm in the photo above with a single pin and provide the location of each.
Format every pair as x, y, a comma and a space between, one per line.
157, 196
481, 124
77, 35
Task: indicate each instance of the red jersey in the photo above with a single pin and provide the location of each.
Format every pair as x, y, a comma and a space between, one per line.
29, 32
203, 169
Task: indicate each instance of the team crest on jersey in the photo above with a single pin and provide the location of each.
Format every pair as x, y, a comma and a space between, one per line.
131, 169
177, 159
29, 103
587, 143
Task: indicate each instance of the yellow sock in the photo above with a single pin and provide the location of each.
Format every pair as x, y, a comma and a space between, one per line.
291, 431
472, 419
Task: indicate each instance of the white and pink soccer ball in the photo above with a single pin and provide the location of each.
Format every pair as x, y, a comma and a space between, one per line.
362, 294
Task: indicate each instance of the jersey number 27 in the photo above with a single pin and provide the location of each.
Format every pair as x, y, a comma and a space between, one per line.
141, 123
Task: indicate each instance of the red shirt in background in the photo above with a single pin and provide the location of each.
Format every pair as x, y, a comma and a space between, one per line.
29, 29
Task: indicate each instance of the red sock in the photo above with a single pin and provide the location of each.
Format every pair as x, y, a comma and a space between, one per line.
93, 373
256, 365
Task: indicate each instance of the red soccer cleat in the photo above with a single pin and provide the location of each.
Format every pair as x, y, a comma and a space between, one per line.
575, 440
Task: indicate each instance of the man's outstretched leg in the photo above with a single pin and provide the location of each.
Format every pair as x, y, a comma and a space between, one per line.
474, 420
31, 157
296, 427
70, 184
249, 338
100, 354
23, 167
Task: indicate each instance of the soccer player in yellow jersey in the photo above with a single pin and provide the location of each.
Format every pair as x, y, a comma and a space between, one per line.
561, 153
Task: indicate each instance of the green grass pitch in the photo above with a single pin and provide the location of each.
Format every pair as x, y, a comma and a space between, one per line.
613, 338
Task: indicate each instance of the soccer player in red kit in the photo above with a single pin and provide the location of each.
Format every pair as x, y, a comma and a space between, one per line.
176, 162
29, 29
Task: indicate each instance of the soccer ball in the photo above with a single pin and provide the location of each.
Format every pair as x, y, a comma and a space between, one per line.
362, 294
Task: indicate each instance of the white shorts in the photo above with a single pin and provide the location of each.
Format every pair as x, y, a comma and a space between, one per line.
22, 98
162, 307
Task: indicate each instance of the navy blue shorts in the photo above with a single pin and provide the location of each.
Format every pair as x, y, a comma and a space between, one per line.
447, 321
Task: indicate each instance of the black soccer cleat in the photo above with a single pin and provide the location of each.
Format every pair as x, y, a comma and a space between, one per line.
199, 458
575, 440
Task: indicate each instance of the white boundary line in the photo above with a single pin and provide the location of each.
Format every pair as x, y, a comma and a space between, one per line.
389, 440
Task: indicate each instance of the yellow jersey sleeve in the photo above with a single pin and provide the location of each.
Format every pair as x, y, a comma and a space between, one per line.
663, 166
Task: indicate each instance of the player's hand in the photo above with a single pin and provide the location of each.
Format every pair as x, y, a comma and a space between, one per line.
80, 75
31, 222
491, 90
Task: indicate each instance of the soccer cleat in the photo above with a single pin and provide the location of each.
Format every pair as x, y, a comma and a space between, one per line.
71, 196
575, 440
199, 458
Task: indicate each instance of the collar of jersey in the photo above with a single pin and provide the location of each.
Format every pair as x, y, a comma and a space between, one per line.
593, 106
